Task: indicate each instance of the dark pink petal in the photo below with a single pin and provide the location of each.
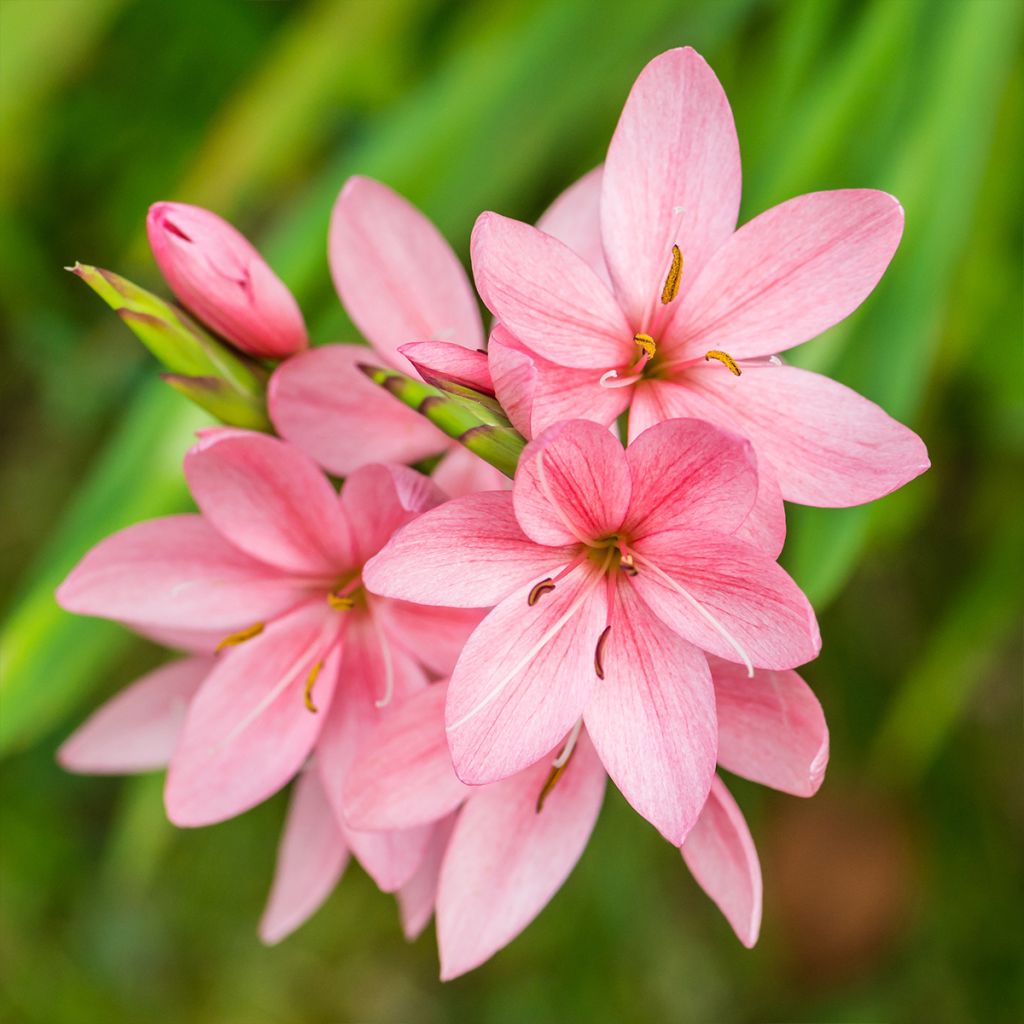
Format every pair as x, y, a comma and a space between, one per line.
749, 603
514, 377
524, 678
322, 402
433, 636
443, 362
469, 553
397, 277
248, 730
572, 484
765, 526
574, 218
505, 861
215, 271
652, 717
789, 274
136, 730
672, 177
771, 728
721, 856
460, 472
403, 775
417, 897
547, 296
311, 859
689, 475
270, 500
176, 573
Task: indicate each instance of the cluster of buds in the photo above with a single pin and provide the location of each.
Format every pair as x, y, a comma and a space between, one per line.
552, 557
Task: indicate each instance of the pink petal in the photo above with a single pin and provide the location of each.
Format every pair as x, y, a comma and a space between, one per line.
460, 472
524, 678
765, 526
505, 861
269, 499
442, 362
689, 475
311, 859
469, 553
574, 218
176, 573
397, 277
514, 377
672, 177
771, 728
753, 600
652, 717
403, 776
790, 273
572, 484
431, 635
135, 731
721, 856
248, 730
547, 296
322, 402
417, 897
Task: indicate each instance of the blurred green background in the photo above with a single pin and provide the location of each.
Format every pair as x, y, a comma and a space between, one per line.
895, 894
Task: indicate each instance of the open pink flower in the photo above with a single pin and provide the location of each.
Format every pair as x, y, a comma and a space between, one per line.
219, 276
641, 294
400, 282
613, 571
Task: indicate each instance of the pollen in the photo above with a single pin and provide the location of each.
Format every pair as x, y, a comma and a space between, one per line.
675, 272
233, 639
307, 696
542, 588
599, 652
341, 604
646, 344
725, 359
628, 564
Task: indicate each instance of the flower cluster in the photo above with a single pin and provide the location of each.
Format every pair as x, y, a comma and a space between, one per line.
446, 664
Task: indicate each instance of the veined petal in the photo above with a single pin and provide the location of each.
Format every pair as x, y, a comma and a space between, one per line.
460, 472
136, 730
547, 296
771, 728
469, 553
505, 860
652, 717
396, 275
572, 484
322, 402
514, 376
438, 361
790, 273
431, 635
672, 177
311, 858
574, 218
524, 677
270, 500
721, 856
417, 897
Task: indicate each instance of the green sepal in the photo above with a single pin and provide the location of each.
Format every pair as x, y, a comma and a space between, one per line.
221, 400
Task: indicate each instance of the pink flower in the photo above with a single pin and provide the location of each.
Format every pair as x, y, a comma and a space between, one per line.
220, 277
665, 309
612, 572
400, 282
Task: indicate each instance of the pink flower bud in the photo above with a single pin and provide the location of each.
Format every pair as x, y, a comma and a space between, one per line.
221, 278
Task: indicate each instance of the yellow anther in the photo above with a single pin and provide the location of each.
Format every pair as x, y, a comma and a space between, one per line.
342, 604
675, 272
240, 637
725, 359
627, 564
542, 588
307, 697
646, 344
599, 652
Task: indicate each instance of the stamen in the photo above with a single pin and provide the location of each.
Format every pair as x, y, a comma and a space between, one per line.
671, 289
559, 764
389, 667
539, 590
725, 359
341, 604
627, 563
307, 696
646, 345
240, 637
599, 652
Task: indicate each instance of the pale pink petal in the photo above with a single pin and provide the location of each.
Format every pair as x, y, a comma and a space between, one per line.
514, 377
469, 553
771, 728
524, 678
574, 218
443, 362
460, 472
749, 602
547, 296
765, 526
191, 641
311, 858
417, 897
506, 860
572, 484
403, 775
136, 730
672, 177
432, 635
652, 717
176, 573
721, 856
248, 730
396, 275
789, 274
270, 500
323, 403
